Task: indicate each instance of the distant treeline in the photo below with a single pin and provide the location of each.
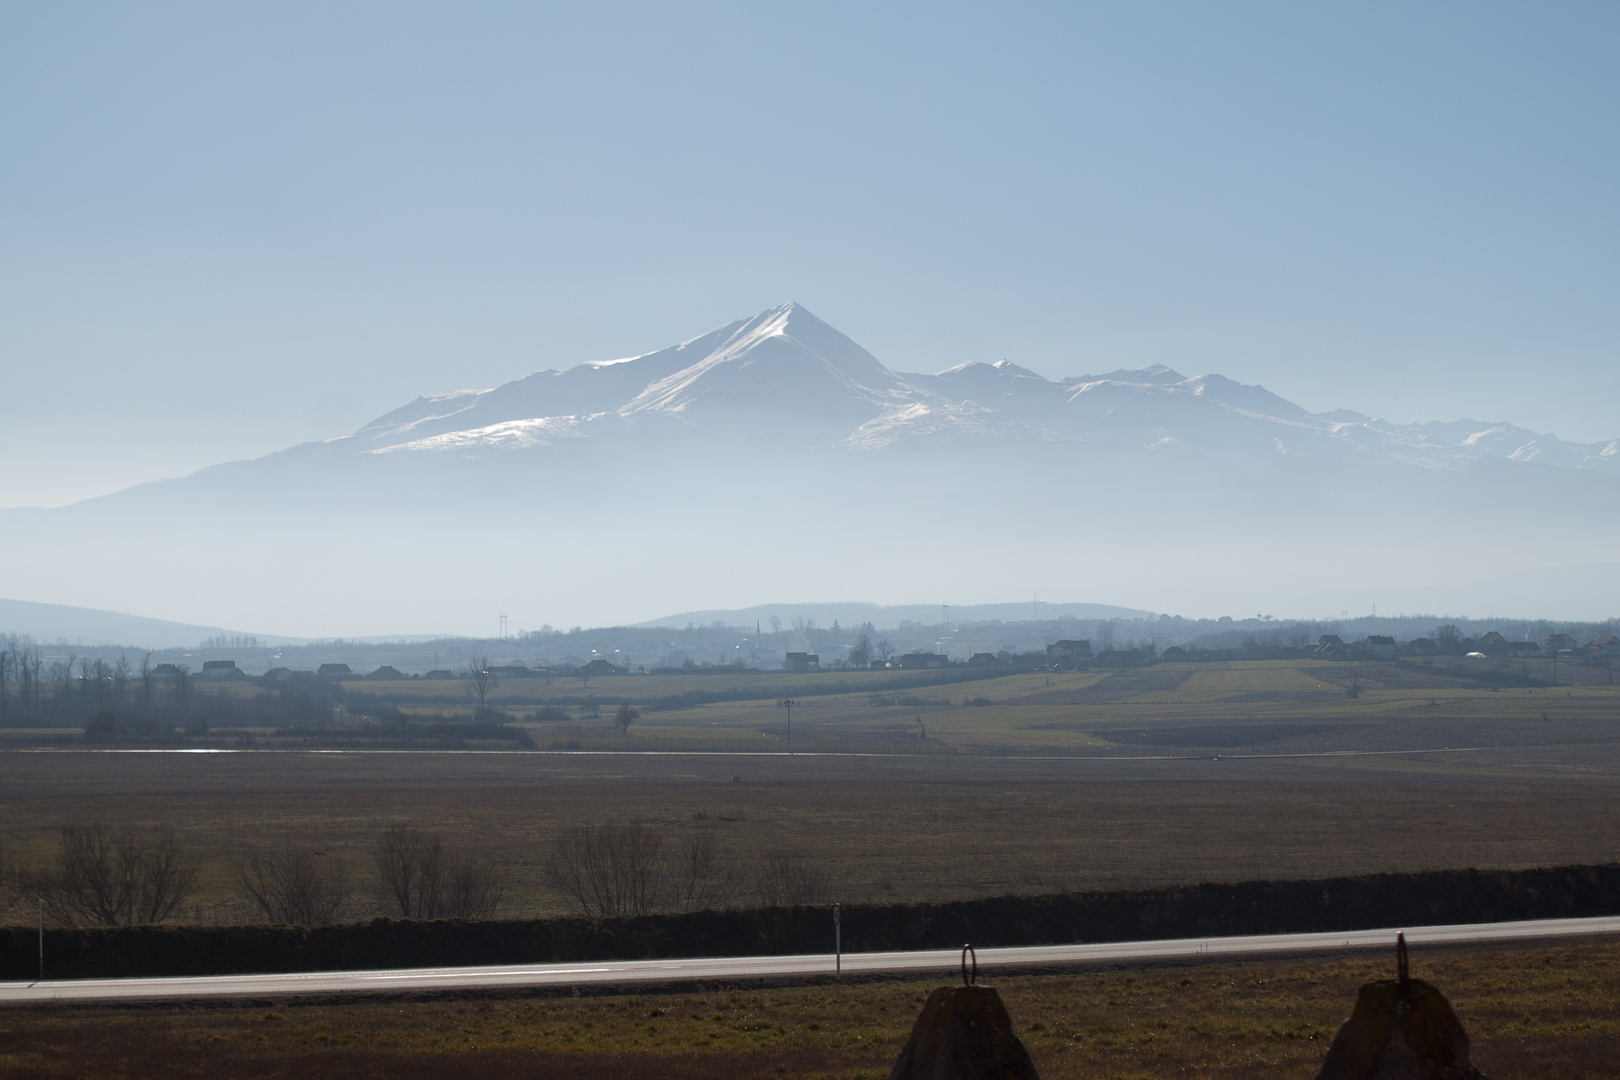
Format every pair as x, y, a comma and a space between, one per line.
718, 645
123, 700
1210, 910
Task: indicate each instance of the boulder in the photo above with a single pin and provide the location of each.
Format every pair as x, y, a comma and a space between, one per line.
964, 1033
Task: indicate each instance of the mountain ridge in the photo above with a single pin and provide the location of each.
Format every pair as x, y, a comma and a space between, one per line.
787, 373
693, 478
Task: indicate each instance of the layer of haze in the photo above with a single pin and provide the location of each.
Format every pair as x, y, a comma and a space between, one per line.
225, 229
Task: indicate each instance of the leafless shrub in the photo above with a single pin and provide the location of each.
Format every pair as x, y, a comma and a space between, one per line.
789, 877
116, 880
408, 866
475, 889
421, 879
609, 870
10, 880
704, 875
294, 887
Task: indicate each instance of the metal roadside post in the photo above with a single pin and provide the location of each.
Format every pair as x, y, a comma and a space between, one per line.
42, 939
838, 942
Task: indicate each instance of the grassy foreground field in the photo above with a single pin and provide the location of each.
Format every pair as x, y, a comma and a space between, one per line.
1532, 1011
886, 829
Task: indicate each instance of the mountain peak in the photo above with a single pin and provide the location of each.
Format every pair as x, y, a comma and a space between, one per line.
782, 362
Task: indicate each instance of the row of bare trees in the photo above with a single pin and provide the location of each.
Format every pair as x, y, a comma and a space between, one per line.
21, 667
616, 869
82, 681
100, 877
419, 877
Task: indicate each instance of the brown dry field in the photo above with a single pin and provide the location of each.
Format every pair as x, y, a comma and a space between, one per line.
888, 828
1532, 1011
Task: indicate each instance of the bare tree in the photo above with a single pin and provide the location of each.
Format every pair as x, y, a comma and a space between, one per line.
61, 673
97, 679
117, 880
625, 716
10, 880
120, 676
860, 653
704, 875
480, 681
146, 679
422, 880
31, 665
609, 870
884, 649
1447, 636
19, 662
294, 887
408, 864
473, 890
789, 877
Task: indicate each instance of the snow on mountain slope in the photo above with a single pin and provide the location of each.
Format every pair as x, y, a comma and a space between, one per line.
580, 392
785, 364
790, 375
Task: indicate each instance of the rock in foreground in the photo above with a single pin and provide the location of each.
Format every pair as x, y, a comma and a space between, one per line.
1400, 1030
964, 1033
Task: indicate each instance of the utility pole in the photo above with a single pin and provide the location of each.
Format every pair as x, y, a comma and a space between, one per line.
838, 943
42, 939
787, 703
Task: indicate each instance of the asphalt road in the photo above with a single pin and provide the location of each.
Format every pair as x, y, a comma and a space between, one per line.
630, 972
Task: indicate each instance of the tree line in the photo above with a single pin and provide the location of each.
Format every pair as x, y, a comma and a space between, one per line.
122, 700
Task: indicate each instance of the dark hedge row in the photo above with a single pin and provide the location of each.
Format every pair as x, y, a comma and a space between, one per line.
1250, 907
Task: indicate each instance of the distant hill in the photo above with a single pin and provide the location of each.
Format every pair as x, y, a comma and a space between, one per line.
884, 616
50, 623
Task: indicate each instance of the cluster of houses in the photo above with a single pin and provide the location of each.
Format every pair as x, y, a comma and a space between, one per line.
1070, 654
804, 662
1065, 654
1491, 645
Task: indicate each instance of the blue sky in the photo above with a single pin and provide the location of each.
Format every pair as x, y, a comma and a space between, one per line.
226, 228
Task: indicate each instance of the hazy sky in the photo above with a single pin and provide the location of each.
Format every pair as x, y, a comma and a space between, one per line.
226, 228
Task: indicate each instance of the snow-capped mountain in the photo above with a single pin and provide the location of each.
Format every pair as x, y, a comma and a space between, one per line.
774, 457
787, 373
